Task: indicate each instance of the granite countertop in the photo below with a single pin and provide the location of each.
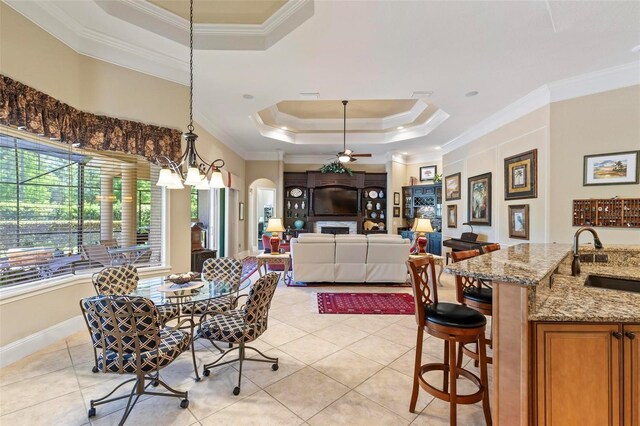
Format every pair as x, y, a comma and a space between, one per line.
525, 264
569, 300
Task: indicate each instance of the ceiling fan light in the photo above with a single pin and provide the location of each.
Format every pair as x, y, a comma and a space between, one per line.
344, 158
164, 178
216, 180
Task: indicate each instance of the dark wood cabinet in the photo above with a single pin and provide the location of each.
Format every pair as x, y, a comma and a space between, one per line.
199, 256
425, 201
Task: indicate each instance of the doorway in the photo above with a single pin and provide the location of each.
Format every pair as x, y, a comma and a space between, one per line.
262, 206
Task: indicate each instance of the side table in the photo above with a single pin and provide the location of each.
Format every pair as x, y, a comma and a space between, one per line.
265, 259
438, 260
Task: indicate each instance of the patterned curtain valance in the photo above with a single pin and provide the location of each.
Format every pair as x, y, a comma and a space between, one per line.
33, 111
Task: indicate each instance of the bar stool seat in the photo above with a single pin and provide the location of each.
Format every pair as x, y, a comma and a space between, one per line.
454, 315
480, 295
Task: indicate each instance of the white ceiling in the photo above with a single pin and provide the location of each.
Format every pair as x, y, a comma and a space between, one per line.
379, 50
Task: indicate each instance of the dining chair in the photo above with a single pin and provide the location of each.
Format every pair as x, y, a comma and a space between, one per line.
98, 255
132, 341
226, 270
241, 326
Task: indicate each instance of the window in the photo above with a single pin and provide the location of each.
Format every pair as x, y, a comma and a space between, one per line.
63, 210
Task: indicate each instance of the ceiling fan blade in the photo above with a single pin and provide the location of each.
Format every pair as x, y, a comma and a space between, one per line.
361, 155
352, 159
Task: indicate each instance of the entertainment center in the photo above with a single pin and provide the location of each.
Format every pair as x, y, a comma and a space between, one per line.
335, 202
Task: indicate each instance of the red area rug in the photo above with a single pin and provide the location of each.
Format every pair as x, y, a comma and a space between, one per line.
365, 303
249, 266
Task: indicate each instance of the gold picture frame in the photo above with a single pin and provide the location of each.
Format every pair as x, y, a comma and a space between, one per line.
521, 176
452, 187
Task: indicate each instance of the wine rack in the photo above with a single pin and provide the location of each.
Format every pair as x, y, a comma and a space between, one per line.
609, 213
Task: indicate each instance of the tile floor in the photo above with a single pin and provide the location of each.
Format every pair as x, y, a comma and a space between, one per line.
334, 370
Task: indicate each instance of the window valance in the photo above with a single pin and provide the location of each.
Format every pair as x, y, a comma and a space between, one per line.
36, 112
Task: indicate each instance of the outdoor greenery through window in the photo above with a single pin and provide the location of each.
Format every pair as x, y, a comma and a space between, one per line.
63, 210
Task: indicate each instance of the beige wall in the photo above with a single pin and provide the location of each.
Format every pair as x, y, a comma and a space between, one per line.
414, 170
487, 154
396, 179
30, 55
595, 124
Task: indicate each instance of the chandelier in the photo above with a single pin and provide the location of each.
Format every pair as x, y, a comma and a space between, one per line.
199, 172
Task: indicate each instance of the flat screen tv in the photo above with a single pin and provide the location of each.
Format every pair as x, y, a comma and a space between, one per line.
335, 201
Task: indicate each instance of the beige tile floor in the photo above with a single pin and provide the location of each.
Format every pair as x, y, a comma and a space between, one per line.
334, 370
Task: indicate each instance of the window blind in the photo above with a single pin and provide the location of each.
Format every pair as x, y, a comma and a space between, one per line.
65, 210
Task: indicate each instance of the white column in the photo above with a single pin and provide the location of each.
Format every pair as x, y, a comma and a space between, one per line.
157, 209
106, 206
129, 205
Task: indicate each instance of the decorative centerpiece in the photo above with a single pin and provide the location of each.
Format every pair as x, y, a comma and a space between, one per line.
182, 278
335, 167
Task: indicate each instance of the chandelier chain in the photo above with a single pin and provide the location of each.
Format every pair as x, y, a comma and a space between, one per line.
190, 126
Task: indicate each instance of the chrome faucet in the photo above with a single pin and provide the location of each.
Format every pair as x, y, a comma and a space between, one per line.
575, 264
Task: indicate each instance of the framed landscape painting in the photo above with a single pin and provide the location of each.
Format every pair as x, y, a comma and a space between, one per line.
617, 168
452, 187
521, 176
479, 199
519, 221
428, 173
452, 216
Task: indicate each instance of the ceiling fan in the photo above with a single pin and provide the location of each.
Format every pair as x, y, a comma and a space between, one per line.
347, 155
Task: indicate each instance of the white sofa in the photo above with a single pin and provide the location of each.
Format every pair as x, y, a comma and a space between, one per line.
350, 258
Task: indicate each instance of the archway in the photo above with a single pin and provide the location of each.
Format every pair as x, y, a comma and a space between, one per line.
262, 205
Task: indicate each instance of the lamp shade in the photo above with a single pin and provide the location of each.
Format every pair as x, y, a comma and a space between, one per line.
216, 179
275, 225
422, 225
203, 184
176, 182
193, 176
164, 178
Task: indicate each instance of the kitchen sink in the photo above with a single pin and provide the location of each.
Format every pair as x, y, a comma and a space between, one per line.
620, 284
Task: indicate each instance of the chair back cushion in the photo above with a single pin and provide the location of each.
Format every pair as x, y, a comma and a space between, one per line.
122, 324
351, 259
225, 269
256, 309
116, 280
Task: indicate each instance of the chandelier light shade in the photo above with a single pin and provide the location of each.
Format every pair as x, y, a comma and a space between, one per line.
172, 175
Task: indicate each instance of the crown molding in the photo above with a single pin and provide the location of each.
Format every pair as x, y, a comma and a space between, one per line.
605, 80
212, 36
263, 156
219, 134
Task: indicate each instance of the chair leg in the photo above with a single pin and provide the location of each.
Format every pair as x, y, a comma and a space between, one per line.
476, 362
447, 367
453, 373
460, 355
416, 370
193, 357
236, 390
484, 378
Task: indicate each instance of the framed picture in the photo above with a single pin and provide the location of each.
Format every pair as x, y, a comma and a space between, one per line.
618, 168
452, 216
452, 187
241, 211
519, 221
396, 212
479, 199
521, 176
396, 198
428, 173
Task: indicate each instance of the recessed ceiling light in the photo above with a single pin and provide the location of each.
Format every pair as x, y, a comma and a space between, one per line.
404, 153
284, 128
437, 147
247, 96
636, 49
400, 127
309, 96
472, 93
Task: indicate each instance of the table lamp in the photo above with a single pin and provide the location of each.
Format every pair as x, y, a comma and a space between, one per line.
421, 227
274, 226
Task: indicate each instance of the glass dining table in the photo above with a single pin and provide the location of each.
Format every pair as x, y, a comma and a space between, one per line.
188, 301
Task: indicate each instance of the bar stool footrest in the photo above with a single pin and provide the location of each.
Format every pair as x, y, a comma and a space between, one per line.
445, 396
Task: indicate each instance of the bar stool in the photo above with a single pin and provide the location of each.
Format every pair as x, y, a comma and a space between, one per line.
490, 247
454, 324
477, 295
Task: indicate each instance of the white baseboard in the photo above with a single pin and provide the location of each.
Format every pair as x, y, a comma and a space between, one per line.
26, 346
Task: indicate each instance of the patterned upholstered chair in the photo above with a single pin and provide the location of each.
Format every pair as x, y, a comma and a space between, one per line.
225, 269
131, 341
120, 281
242, 326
